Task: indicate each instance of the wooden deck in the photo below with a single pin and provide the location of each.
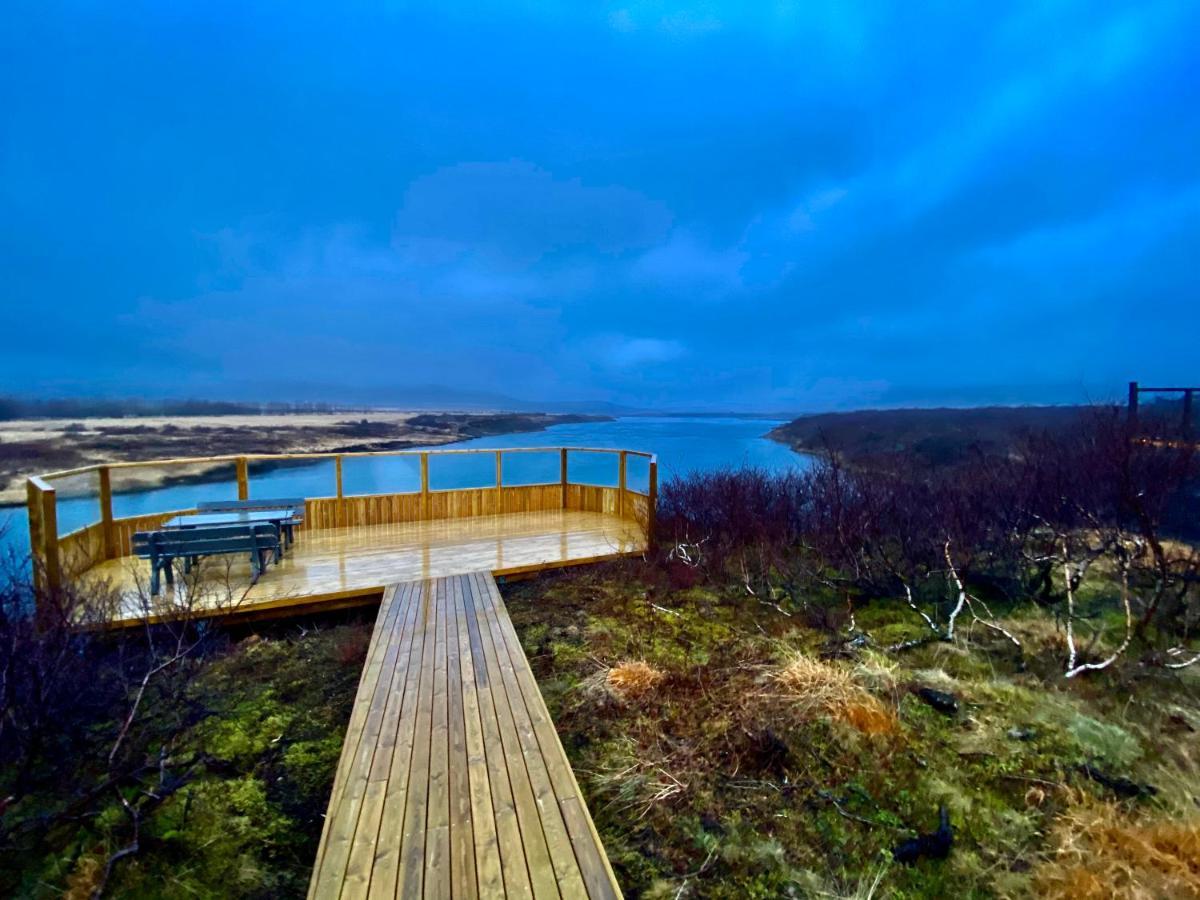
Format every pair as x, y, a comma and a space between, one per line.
331, 565
452, 780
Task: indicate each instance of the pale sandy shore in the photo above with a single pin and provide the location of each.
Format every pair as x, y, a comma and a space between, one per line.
37, 446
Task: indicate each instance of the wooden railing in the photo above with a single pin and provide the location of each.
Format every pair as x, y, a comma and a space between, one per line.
58, 557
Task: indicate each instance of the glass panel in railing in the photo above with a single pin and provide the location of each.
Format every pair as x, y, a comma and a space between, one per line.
591, 467
381, 475
78, 501
453, 471
144, 490
288, 479
540, 467
637, 473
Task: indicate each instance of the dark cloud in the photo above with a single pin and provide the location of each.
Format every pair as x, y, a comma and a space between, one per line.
817, 204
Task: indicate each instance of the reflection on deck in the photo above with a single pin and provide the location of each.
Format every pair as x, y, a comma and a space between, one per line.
329, 565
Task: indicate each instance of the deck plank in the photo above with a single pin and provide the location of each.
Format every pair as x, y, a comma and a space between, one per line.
452, 781
336, 565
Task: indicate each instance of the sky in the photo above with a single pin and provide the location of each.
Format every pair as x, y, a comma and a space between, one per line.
745, 206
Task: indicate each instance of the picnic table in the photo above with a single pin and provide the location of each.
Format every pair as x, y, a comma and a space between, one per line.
285, 516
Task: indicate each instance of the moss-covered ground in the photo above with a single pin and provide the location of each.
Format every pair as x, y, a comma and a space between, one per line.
727, 748
265, 714
723, 778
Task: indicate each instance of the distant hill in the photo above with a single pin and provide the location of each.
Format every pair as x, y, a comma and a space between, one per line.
936, 436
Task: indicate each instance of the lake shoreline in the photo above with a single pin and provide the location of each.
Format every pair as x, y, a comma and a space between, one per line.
37, 446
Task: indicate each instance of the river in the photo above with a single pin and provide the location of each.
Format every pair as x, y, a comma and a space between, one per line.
683, 444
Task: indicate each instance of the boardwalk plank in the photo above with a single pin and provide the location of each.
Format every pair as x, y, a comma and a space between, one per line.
462, 831
347, 801
562, 856
508, 830
452, 780
410, 880
387, 853
490, 877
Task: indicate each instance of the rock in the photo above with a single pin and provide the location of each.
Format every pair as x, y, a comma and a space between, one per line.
934, 845
1118, 784
942, 701
1022, 734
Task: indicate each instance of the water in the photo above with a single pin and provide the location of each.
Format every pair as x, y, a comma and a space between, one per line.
682, 444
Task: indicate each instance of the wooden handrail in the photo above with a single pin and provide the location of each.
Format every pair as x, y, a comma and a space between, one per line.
268, 457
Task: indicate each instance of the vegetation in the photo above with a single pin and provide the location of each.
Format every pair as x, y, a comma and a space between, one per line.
939, 437
168, 762
979, 680
842, 658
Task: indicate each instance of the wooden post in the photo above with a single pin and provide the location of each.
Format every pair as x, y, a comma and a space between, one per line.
43, 534
108, 530
243, 478
1133, 403
652, 505
341, 497
621, 465
425, 485
499, 482
562, 471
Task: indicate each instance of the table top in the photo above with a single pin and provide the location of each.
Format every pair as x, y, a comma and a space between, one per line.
230, 517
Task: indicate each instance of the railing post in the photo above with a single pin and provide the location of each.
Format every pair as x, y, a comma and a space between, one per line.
341, 497
43, 535
499, 482
562, 471
107, 529
425, 485
652, 505
243, 478
621, 466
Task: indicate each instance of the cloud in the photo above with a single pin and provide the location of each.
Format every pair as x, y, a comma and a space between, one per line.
682, 262
517, 213
739, 205
622, 352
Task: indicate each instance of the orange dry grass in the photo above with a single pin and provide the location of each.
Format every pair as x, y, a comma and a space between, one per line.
1103, 854
823, 688
85, 878
870, 716
633, 679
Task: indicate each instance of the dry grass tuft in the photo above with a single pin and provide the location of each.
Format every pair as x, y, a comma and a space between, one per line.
85, 878
633, 679
870, 716
1102, 853
817, 685
823, 688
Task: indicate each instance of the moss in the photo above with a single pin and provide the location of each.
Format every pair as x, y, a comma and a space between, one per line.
777, 803
248, 818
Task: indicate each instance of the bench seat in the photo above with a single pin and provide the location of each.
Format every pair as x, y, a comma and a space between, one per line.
162, 548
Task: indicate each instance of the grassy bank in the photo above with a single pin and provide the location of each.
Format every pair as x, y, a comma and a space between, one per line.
734, 748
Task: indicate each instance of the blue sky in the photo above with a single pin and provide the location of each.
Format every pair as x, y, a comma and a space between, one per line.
783, 206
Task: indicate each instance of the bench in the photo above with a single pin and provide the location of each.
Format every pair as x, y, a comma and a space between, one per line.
294, 505
162, 548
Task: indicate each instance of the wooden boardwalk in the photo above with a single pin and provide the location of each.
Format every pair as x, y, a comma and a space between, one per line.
452, 780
